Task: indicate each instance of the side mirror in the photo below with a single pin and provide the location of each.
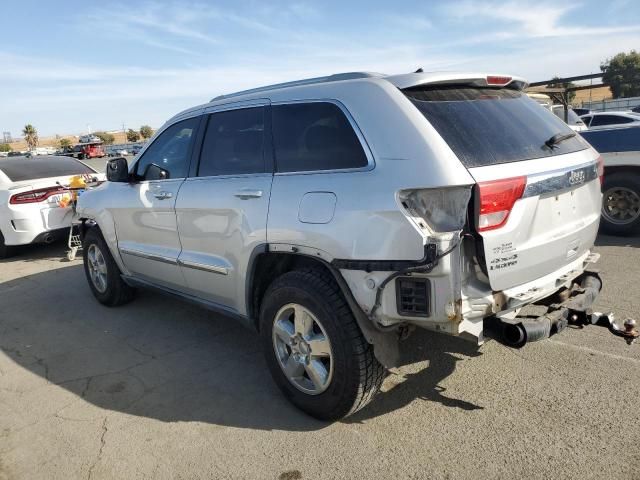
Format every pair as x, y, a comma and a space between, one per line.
118, 170
155, 172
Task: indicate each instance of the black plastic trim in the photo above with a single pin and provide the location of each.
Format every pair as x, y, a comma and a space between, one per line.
427, 290
430, 254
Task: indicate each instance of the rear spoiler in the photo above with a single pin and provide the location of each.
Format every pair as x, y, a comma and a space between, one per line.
477, 80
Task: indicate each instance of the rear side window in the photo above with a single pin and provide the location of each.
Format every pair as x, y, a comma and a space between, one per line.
21, 169
487, 126
600, 120
314, 136
233, 143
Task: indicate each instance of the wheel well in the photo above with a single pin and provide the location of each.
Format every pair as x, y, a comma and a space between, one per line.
85, 225
269, 266
621, 169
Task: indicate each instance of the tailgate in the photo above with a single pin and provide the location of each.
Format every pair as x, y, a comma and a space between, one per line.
554, 222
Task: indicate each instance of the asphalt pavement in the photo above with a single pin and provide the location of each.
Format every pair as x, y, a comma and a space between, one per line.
162, 389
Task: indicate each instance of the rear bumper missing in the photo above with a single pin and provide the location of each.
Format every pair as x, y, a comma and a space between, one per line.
550, 315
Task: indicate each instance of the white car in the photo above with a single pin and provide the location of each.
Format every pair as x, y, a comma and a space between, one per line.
30, 189
602, 120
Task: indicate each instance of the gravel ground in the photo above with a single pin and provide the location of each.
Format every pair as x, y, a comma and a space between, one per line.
162, 389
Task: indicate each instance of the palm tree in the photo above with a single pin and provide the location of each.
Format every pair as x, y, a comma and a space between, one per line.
30, 136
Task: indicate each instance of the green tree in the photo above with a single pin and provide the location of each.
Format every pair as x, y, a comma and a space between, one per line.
30, 136
106, 138
146, 131
570, 95
5, 147
622, 74
132, 135
65, 142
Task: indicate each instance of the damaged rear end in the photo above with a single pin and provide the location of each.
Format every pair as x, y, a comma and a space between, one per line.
512, 249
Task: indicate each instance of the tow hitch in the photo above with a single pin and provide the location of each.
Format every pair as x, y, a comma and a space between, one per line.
570, 306
628, 330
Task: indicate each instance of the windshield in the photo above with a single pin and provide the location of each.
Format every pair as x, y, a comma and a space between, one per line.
489, 126
22, 169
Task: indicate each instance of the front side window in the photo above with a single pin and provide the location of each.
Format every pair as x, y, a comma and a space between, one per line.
314, 136
170, 151
233, 143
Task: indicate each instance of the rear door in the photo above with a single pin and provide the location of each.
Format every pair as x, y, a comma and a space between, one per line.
222, 207
537, 200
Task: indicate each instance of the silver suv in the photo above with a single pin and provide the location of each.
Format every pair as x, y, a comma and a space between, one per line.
334, 215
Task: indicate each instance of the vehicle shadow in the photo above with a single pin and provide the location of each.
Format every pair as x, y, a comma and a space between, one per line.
39, 251
611, 241
161, 358
442, 352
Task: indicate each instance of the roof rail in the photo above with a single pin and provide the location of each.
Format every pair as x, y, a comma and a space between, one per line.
308, 81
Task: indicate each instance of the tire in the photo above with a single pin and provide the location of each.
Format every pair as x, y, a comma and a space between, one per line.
111, 290
5, 250
621, 189
354, 375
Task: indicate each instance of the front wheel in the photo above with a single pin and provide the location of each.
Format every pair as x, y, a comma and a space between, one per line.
314, 348
621, 203
102, 272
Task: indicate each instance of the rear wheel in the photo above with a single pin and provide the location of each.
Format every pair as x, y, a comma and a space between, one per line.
314, 348
102, 272
621, 204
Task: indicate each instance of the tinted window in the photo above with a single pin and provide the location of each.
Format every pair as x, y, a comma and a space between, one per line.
586, 119
233, 143
486, 126
170, 150
314, 136
20, 169
599, 120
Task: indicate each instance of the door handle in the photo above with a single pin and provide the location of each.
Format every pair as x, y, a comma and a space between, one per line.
247, 194
163, 195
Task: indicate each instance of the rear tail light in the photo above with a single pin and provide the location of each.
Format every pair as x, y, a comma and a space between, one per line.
35, 196
601, 169
437, 210
497, 198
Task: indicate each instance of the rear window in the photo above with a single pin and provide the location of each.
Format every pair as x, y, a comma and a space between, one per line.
314, 136
487, 126
23, 169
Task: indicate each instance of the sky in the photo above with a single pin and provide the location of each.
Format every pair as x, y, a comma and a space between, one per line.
70, 66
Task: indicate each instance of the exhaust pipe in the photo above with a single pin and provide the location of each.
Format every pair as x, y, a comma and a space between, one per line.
575, 308
48, 238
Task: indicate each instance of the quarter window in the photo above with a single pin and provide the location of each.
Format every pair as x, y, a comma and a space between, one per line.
233, 143
314, 136
170, 150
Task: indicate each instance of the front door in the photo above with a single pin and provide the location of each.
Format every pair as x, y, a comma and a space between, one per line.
222, 209
144, 212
